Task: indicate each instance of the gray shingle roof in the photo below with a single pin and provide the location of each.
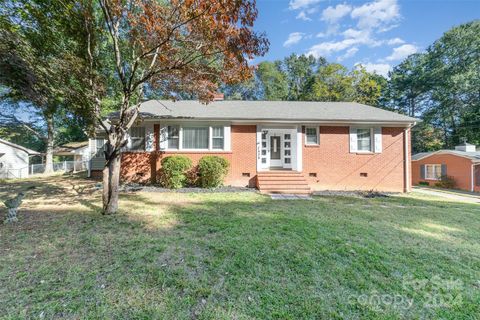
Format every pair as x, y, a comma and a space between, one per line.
269, 110
475, 156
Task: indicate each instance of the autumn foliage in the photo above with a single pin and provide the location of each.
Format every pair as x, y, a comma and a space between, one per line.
188, 46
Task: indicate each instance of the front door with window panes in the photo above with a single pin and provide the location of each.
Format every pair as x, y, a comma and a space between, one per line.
276, 148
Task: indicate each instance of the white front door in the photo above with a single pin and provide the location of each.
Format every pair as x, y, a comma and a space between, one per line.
276, 148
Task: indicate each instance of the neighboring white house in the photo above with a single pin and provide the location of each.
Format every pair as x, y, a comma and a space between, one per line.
78, 151
14, 160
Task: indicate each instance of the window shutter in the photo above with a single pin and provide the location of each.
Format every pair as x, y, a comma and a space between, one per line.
353, 139
444, 170
422, 171
378, 140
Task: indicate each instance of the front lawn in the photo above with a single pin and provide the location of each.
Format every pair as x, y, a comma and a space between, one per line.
236, 256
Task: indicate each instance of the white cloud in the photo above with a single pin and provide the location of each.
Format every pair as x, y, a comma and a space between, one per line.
378, 68
352, 38
366, 22
325, 49
350, 53
293, 38
333, 14
378, 14
303, 16
402, 52
301, 4
395, 41
361, 37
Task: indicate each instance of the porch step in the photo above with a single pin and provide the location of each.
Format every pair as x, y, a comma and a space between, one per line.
284, 182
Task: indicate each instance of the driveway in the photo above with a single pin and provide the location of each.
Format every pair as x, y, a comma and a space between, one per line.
456, 195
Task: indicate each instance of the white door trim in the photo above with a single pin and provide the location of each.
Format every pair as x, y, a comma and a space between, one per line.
288, 147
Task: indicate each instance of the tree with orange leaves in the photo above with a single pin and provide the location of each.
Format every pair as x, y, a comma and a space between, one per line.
172, 46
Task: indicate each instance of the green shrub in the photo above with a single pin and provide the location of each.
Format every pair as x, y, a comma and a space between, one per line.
212, 170
446, 182
174, 169
423, 183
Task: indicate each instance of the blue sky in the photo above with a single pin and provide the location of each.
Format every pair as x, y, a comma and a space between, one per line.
376, 33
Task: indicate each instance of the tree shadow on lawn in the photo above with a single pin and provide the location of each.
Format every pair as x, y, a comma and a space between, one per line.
238, 256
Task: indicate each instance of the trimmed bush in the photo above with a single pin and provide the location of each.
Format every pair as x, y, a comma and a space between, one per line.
174, 171
212, 170
446, 182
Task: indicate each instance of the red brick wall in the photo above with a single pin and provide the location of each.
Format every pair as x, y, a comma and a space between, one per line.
338, 169
459, 168
138, 166
335, 166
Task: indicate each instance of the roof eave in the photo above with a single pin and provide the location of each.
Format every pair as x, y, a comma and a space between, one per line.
283, 120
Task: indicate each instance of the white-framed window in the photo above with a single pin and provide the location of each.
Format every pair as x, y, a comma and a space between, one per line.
196, 137
137, 138
173, 137
217, 138
433, 171
364, 140
311, 135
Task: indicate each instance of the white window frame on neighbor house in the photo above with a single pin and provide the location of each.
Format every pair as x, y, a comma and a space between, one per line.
317, 134
225, 129
434, 174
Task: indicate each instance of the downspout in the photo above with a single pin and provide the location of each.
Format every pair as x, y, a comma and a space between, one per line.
406, 161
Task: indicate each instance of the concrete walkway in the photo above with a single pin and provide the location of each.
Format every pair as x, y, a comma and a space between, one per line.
450, 194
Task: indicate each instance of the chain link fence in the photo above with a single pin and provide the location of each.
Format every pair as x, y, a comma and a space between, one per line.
64, 166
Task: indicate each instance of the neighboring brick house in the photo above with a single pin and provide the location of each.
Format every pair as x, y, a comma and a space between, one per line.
462, 164
278, 146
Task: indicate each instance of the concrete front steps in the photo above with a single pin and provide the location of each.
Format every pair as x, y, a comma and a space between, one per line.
283, 182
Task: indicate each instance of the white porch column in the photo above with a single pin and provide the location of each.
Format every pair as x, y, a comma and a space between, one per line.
258, 148
298, 163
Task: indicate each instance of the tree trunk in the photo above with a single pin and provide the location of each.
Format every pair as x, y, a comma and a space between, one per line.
111, 172
49, 141
111, 182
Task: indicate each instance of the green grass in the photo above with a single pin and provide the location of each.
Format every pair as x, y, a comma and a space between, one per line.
236, 256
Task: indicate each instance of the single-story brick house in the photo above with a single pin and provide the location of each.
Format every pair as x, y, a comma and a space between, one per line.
462, 164
277, 146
